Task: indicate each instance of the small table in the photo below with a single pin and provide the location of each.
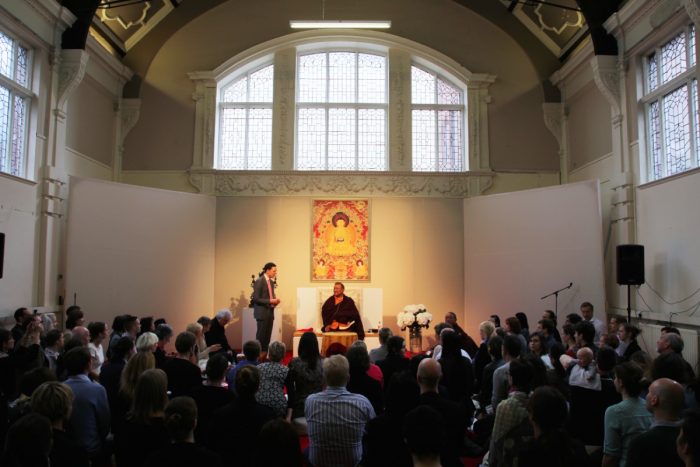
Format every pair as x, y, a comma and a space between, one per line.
342, 337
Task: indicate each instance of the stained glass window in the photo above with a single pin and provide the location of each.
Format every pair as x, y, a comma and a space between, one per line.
15, 67
245, 122
437, 122
673, 136
341, 111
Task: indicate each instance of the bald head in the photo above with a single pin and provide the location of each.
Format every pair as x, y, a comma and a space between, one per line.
81, 333
666, 399
429, 374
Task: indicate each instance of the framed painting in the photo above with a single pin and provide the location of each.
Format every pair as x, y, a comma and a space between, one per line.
340, 240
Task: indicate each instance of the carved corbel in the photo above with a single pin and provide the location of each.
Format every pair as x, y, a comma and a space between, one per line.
606, 75
71, 71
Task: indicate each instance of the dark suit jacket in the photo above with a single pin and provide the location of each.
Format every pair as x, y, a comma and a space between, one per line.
262, 310
455, 425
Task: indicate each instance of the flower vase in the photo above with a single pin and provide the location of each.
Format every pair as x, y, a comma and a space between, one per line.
415, 339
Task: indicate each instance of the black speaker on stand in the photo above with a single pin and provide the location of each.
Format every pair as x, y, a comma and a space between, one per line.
630, 269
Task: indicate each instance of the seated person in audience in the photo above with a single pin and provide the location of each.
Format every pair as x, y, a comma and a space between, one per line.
383, 442
184, 375
380, 352
284, 438
339, 311
217, 332
305, 377
688, 442
165, 334
144, 431
336, 418
273, 378
627, 419
457, 373
180, 421
552, 446
200, 348
98, 334
511, 351
28, 443
249, 418
584, 372
424, 433
251, 355
466, 343
454, 416
657, 446
511, 428
90, 417
147, 325
360, 382
54, 401
395, 361
212, 395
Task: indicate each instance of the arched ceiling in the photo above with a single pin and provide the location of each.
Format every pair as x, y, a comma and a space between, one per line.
546, 29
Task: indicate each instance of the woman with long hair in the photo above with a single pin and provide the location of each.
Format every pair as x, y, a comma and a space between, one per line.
538, 347
482, 358
628, 338
136, 365
305, 378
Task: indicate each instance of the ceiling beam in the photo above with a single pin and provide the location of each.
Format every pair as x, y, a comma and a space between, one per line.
75, 37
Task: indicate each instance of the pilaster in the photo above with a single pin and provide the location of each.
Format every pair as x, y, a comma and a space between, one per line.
400, 135
283, 110
204, 122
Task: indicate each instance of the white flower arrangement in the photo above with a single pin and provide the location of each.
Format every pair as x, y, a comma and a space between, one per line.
414, 316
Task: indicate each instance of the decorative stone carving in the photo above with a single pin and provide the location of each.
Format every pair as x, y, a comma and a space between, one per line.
288, 183
71, 70
607, 78
553, 119
130, 111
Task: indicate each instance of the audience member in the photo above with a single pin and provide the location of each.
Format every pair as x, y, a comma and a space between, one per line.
482, 357
147, 342
466, 343
53, 346
395, 361
549, 314
146, 325
251, 354
538, 347
200, 348
688, 442
180, 421
380, 352
164, 333
28, 382
336, 418
217, 331
599, 326
510, 351
305, 378
273, 379
584, 373
671, 342
28, 353
573, 319
658, 445
569, 340
547, 328
74, 317
184, 375
28, 443
212, 395
457, 373
49, 321
360, 382
283, 437
54, 401
495, 320
111, 372
628, 341
135, 366
98, 334
425, 433
495, 349
524, 325
21, 315
512, 327
627, 419
584, 333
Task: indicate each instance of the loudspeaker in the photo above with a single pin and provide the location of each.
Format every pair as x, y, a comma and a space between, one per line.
2, 252
630, 264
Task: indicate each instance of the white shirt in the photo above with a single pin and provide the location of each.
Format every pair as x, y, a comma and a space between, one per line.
98, 357
600, 328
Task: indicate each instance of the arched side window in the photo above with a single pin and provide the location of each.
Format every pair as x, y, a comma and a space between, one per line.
342, 111
437, 117
245, 122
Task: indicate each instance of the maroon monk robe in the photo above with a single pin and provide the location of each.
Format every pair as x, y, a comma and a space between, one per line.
343, 312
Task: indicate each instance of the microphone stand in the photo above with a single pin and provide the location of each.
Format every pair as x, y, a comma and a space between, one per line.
556, 298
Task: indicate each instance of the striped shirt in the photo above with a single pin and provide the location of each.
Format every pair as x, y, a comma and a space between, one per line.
336, 421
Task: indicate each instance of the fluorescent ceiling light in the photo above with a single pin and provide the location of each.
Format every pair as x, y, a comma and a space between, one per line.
338, 24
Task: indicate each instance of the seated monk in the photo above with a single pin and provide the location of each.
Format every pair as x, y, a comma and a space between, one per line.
340, 313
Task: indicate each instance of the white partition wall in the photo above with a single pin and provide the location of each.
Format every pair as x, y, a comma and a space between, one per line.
372, 307
520, 246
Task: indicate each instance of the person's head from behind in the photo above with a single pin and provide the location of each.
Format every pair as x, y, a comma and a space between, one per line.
54, 401
606, 359
666, 397
276, 351
136, 365
251, 350
424, 433
451, 318
450, 344
74, 317
511, 347
395, 346
147, 324
224, 317
147, 342
384, 334
688, 441
28, 442
429, 375
358, 357
573, 319
150, 395
521, 375
336, 371
670, 329
77, 361
308, 349
247, 382
402, 396
164, 333
496, 320
522, 317
584, 333
184, 344
181, 419
495, 347
216, 368
439, 327
486, 330
32, 379
513, 325
546, 327
549, 314
669, 365
284, 438
547, 409
628, 379
123, 349
205, 321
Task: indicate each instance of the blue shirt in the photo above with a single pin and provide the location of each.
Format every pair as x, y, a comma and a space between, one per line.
623, 422
90, 417
336, 420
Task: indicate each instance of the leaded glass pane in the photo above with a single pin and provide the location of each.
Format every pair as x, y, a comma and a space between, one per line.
6, 55
422, 86
694, 100
449, 141
341, 139
691, 45
18, 135
237, 91
22, 72
311, 139
233, 144
448, 94
655, 138
673, 58
371, 134
260, 87
652, 73
259, 139
312, 78
677, 131
371, 78
424, 136
4, 127
341, 77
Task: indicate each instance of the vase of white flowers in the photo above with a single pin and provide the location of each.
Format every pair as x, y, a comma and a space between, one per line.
415, 318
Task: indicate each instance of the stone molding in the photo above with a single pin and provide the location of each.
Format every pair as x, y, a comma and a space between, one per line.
376, 184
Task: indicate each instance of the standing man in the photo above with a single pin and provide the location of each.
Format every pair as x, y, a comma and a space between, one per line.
465, 341
587, 313
342, 310
264, 303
